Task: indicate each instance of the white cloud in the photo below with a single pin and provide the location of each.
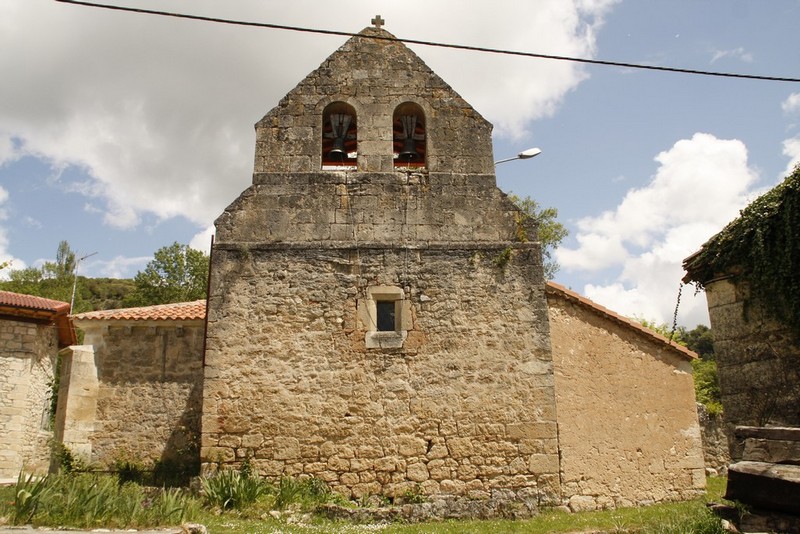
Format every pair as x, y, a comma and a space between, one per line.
8, 151
700, 185
736, 53
791, 104
202, 240
159, 111
791, 149
118, 267
16, 263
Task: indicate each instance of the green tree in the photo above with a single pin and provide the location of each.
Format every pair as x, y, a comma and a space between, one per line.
706, 385
701, 340
53, 280
177, 273
551, 232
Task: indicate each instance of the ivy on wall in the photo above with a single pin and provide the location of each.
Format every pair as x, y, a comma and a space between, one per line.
763, 247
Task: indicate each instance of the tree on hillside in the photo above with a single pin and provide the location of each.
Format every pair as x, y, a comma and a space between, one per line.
53, 280
551, 232
177, 273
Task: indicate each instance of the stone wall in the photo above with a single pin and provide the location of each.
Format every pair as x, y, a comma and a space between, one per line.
715, 441
364, 208
628, 429
757, 359
464, 406
149, 391
374, 77
27, 359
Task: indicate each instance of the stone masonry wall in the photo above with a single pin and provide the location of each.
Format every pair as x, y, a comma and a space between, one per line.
466, 406
715, 441
149, 391
27, 358
628, 429
373, 76
757, 360
368, 207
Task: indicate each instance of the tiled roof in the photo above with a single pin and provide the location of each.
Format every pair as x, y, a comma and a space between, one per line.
179, 311
18, 300
563, 292
40, 310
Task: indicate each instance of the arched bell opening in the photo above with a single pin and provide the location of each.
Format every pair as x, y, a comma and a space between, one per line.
408, 133
339, 135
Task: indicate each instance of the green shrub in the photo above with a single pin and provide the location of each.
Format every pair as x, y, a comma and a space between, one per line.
28, 495
306, 492
230, 489
66, 461
171, 473
83, 500
706, 385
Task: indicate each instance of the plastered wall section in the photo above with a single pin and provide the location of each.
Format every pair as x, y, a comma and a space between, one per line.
758, 361
27, 358
628, 428
466, 406
148, 390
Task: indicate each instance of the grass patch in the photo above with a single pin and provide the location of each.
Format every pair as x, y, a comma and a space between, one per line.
84, 500
89, 501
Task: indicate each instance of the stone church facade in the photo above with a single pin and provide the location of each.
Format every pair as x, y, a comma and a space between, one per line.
378, 318
377, 313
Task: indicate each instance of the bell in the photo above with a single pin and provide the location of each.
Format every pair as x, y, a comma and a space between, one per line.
338, 150
409, 152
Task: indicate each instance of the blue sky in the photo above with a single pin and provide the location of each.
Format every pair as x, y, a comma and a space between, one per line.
123, 133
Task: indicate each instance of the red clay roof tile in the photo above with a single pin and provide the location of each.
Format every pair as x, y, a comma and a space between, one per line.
179, 311
40, 309
18, 300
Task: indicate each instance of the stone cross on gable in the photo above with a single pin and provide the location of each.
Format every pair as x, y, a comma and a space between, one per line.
378, 21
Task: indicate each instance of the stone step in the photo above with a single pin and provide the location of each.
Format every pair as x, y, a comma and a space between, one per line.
771, 451
781, 433
765, 485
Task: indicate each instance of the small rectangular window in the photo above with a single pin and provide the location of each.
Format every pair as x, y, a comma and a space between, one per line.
386, 315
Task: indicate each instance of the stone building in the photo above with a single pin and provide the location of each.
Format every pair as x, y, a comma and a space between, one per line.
757, 349
32, 329
133, 391
751, 276
378, 318
627, 429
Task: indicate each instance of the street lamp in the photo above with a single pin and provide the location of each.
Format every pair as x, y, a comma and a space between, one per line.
75, 280
525, 154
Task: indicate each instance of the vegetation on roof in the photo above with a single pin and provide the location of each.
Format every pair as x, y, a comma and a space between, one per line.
761, 246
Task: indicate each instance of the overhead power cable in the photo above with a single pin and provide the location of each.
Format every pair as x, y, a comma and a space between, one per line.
639, 66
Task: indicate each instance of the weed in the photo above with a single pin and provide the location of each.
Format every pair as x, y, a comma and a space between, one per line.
413, 495
129, 469
229, 489
28, 495
66, 461
170, 472
503, 257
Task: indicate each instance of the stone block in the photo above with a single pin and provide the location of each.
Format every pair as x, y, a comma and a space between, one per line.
765, 485
543, 463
